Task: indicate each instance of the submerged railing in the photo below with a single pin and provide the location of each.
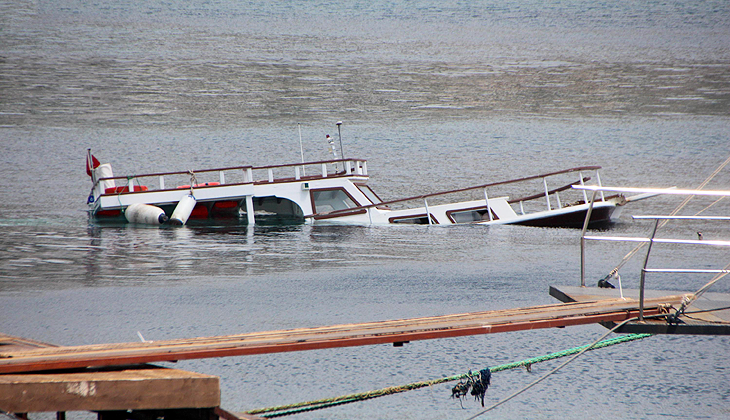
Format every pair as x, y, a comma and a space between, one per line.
547, 194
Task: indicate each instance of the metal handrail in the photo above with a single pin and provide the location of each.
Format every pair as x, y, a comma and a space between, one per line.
684, 217
652, 239
670, 191
684, 270
659, 240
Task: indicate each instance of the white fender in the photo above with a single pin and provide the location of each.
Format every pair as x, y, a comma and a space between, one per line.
145, 213
183, 209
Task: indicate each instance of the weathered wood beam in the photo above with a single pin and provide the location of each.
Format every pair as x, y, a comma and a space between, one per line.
108, 390
381, 332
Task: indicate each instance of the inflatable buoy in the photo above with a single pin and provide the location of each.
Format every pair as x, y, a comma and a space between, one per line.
145, 213
182, 210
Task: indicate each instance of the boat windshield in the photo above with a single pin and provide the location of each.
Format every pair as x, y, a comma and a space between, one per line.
331, 200
369, 193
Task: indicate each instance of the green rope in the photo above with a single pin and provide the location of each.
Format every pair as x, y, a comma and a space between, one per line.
285, 410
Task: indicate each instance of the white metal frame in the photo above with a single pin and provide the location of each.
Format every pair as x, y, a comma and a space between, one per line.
652, 239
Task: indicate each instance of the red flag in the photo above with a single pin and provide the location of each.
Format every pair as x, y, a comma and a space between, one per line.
94, 161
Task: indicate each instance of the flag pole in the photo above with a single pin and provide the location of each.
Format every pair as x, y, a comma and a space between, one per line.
90, 165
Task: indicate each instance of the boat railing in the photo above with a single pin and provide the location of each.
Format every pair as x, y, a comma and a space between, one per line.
240, 175
316, 170
652, 239
551, 196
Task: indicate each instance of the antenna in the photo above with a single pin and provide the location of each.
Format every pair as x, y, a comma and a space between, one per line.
301, 149
342, 152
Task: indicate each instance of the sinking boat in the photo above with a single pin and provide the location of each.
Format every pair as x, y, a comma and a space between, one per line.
336, 191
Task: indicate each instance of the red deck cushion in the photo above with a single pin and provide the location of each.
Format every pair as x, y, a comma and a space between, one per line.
118, 190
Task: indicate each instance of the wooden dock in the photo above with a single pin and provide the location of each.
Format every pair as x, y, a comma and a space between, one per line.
708, 315
111, 392
381, 332
142, 387
116, 379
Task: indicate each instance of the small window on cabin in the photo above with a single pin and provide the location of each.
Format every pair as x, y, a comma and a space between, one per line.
469, 216
370, 194
418, 220
466, 216
331, 200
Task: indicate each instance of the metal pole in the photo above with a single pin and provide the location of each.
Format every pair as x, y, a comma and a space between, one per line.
598, 178
90, 166
489, 209
301, 149
339, 134
643, 273
583, 242
428, 214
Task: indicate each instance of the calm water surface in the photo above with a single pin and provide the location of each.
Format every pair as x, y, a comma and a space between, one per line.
434, 96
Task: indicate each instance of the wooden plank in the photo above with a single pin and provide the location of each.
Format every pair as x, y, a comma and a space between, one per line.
107, 390
227, 415
9, 343
707, 321
394, 331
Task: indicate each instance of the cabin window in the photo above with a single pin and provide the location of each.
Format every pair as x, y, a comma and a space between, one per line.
370, 194
412, 220
331, 200
466, 216
471, 215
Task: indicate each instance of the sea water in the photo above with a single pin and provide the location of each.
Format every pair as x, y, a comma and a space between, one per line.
435, 96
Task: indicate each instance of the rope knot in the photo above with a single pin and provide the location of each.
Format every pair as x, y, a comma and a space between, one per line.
193, 180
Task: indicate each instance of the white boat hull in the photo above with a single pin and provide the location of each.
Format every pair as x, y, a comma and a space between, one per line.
336, 194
